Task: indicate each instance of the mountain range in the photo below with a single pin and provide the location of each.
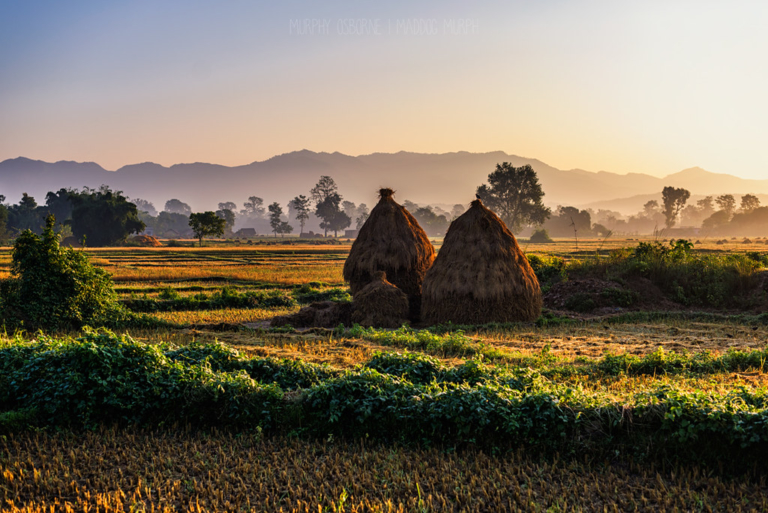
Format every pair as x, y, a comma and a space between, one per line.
444, 179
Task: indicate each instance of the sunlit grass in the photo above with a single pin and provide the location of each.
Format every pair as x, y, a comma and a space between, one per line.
227, 315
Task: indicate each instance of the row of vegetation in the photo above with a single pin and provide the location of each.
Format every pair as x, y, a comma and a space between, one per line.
103, 378
169, 300
59, 288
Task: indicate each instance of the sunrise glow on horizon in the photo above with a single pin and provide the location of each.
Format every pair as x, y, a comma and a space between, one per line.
652, 87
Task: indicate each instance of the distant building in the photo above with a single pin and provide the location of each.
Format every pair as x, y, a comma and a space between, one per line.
245, 233
351, 234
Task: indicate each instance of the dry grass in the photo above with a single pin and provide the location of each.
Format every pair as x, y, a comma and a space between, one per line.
130, 470
225, 315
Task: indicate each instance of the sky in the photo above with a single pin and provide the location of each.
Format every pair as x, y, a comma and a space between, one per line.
628, 87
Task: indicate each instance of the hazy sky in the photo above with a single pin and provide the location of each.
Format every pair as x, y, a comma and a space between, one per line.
623, 86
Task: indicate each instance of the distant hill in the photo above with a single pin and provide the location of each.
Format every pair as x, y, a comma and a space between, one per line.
446, 178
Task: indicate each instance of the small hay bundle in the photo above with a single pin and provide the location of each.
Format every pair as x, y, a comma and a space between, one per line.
392, 241
145, 241
380, 304
480, 274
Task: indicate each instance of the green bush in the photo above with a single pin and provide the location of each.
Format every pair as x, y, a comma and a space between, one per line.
103, 378
169, 300
54, 288
414, 367
541, 237
685, 276
549, 270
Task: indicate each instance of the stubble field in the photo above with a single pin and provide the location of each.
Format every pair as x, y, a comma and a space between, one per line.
617, 360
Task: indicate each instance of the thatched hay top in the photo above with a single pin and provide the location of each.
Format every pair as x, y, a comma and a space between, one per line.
380, 304
480, 274
391, 240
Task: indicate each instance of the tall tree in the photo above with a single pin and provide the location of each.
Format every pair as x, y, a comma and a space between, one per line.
749, 202
229, 218
361, 215
59, 205
651, 208
103, 216
349, 208
673, 200
706, 206
435, 225
333, 218
324, 188
285, 228
457, 210
24, 215
175, 206
254, 207
275, 213
3, 220
145, 206
515, 194
228, 205
300, 205
206, 224
727, 204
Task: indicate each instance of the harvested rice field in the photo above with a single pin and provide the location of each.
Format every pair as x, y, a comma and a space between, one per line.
179, 470
631, 382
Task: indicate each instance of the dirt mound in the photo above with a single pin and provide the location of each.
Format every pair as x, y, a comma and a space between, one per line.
323, 314
146, 241
600, 297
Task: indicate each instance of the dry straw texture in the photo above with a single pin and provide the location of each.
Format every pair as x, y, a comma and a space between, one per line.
480, 275
322, 314
392, 241
380, 304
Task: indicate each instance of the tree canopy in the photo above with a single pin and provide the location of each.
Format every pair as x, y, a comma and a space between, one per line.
674, 200
206, 224
515, 194
103, 216
300, 205
175, 206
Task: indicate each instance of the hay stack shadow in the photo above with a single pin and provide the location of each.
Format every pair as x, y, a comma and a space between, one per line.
392, 241
480, 275
380, 304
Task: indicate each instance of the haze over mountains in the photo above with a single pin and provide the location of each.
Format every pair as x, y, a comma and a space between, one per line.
423, 178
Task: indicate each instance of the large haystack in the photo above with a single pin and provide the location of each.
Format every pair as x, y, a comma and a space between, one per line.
392, 241
380, 304
480, 274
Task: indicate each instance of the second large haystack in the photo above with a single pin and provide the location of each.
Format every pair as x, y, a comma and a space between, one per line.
480, 275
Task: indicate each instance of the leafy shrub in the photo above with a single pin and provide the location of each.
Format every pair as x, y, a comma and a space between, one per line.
690, 278
414, 367
306, 294
104, 378
615, 296
170, 300
549, 270
580, 302
541, 237
54, 288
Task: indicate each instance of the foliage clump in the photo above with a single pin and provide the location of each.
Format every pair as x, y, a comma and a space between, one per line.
53, 287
